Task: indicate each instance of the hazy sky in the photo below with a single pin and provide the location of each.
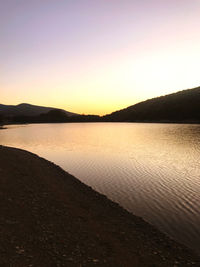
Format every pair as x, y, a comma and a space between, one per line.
97, 56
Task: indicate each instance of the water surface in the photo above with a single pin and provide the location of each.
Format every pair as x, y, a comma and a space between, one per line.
153, 170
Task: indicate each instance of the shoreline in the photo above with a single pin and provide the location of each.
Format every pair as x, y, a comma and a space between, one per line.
50, 218
133, 122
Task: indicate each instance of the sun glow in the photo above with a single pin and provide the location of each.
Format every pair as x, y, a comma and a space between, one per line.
101, 59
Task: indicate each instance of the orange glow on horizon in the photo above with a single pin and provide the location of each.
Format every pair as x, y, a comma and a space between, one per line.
98, 58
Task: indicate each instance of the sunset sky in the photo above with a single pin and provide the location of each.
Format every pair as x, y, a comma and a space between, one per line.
97, 56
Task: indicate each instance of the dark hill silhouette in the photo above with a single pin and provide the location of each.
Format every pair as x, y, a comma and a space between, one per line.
183, 106
54, 116
180, 107
27, 110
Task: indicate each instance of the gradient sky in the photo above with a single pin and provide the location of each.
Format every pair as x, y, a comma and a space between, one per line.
97, 56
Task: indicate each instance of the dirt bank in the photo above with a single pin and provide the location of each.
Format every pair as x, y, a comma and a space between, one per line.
49, 218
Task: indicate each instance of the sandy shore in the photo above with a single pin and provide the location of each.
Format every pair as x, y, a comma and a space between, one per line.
49, 218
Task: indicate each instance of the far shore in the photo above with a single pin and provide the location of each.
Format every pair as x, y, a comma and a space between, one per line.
50, 218
140, 122
2, 128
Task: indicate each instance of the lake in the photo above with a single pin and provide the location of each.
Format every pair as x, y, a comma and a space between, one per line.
152, 170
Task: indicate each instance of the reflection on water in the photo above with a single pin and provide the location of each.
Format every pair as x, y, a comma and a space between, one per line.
153, 170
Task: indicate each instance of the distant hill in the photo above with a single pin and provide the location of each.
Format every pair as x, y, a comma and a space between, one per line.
26, 113
183, 106
27, 110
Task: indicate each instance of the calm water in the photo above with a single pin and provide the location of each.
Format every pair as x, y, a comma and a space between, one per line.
153, 170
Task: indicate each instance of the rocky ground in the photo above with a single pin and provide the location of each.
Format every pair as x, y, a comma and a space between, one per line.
49, 218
